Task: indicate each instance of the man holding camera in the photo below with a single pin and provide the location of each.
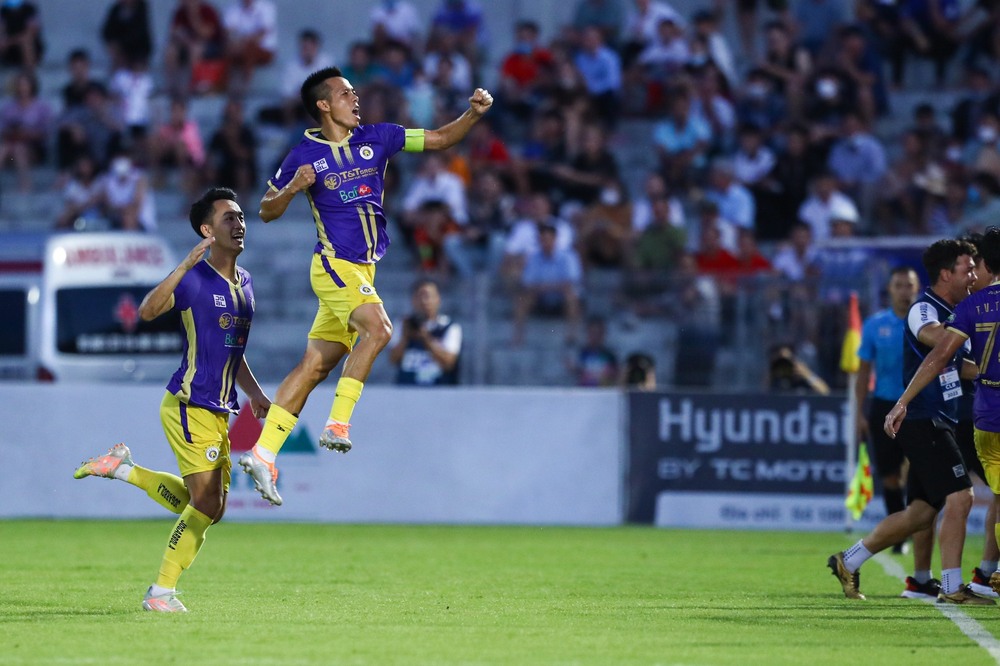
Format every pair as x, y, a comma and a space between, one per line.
427, 353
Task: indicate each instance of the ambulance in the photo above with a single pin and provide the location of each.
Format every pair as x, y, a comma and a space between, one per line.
69, 308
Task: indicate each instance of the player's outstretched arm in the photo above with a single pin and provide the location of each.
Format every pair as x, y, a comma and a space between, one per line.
275, 202
159, 299
929, 368
455, 131
259, 402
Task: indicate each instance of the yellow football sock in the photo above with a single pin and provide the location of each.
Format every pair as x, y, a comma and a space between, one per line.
185, 542
167, 490
348, 393
277, 428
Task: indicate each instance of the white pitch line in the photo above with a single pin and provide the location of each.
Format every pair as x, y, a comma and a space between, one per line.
965, 624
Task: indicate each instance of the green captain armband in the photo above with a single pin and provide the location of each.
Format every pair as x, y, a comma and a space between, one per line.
414, 142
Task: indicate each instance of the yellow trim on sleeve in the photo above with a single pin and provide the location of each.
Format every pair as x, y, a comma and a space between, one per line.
955, 330
414, 142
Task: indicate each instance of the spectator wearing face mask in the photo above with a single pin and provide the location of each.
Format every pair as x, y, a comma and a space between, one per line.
706, 29
829, 96
522, 71
126, 197
760, 102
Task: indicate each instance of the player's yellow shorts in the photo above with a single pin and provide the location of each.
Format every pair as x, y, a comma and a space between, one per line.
988, 448
340, 286
198, 436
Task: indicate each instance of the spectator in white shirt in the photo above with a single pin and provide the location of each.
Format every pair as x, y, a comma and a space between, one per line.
706, 27
858, 160
826, 202
251, 40
522, 240
396, 20
735, 202
550, 283
308, 60
654, 188
668, 53
642, 22
754, 160
433, 183
444, 46
132, 88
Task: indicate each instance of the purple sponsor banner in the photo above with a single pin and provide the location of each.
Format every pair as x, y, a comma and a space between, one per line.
720, 443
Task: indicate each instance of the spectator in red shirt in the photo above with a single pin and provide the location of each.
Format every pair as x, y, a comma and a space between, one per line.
751, 261
196, 46
711, 257
523, 65
522, 71
488, 151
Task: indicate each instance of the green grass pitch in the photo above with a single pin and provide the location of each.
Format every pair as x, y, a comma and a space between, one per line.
278, 594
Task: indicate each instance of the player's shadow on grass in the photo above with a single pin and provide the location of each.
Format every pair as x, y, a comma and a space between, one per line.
19, 611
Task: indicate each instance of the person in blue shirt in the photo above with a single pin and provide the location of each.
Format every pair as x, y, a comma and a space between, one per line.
881, 354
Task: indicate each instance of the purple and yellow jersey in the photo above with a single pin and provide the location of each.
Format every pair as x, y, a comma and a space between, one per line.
977, 318
215, 316
346, 199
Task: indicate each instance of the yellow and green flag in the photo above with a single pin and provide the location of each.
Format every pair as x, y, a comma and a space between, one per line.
862, 485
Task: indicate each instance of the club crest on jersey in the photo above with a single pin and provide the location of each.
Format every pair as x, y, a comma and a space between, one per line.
220, 300
332, 181
225, 320
367, 290
212, 453
320, 165
366, 152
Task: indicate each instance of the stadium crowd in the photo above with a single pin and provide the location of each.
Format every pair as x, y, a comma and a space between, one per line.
766, 147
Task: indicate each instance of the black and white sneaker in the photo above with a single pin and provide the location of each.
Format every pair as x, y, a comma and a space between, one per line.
980, 584
915, 590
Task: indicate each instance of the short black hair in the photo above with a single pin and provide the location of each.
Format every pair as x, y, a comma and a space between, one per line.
942, 255
902, 269
78, 54
201, 210
422, 282
314, 88
309, 33
989, 249
975, 238
637, 366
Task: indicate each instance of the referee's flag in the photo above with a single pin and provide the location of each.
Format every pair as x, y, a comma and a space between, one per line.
849, 361
862, 485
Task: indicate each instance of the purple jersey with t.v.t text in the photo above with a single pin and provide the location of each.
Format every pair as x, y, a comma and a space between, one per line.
346, 199
216, 316
978, 318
